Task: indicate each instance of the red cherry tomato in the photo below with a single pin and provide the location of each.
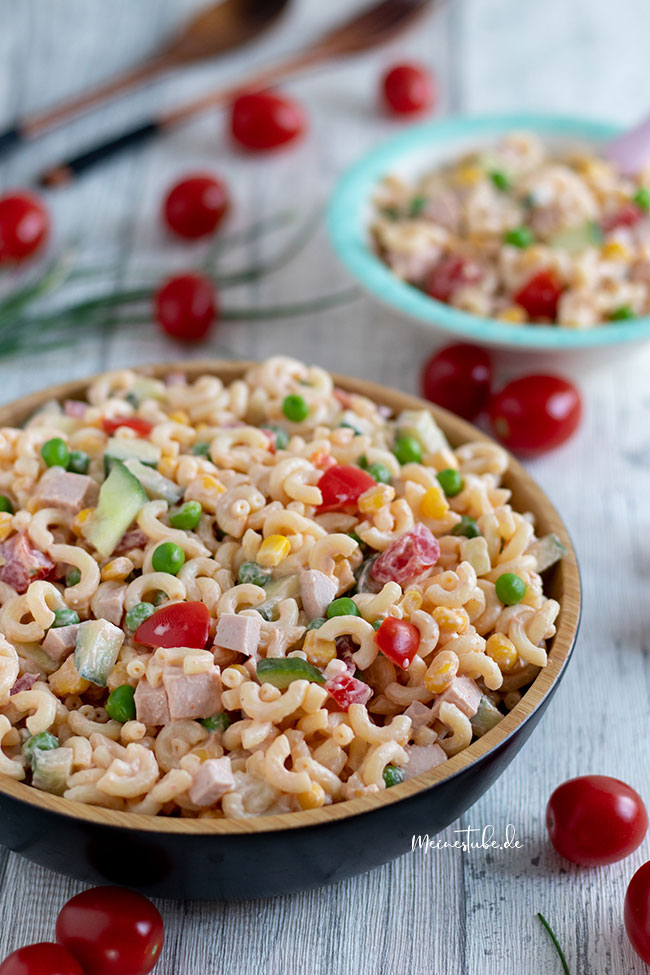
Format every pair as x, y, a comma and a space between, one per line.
535, 413
195, 206
341, 486
186, 307
399, 641
408, 89
594, 820
408, 556
111, 931
450, 274
142, 427
265, 120
459, 378
24, 225
178, 625
540, 295
626, 216
636, 912
45, 958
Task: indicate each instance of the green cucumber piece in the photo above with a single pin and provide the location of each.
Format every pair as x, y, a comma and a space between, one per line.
42, 742
547, 551
145, 387
154, 483
121, 497
286, 587
119, 448
98, 646
486, 717
50, 769
575, 239
282, 671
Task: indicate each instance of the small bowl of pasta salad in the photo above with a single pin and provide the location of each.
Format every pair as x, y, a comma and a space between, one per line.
511, 230
242, 598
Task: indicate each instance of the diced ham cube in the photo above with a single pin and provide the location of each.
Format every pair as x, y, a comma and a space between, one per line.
419, 714
192, 695
60, 642
240, 633
22, 563
316, 591
422, 758
151, 705
213, 779
75, 408
134, 538
347, 690
68, 492
24, 683
462, 692
108, 602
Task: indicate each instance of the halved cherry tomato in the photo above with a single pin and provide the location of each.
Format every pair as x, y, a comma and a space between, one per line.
264, 120
407, 557
636, 912
594, 820
536, 413
195, 206
408, 89
142, 427
111, 931
178, 625
540, 296
398, 640
44, 958
626, 216
24, 226
459, 378
450, 274
341, 486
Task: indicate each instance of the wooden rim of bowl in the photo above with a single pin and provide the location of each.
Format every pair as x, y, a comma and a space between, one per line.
563, 584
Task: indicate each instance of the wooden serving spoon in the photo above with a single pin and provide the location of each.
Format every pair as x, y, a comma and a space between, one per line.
215, 30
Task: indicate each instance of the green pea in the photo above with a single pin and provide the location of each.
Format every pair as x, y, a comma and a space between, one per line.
137, 615
201, 449
64, 617
380, 473
417, 205
5, 504
344, 606
376, 624
510, 588
408, 450
317, 623
500, 180
253, 574
120, 705
55, 453
218, 722
295, 408
622, 313
187, 516
281, 436
44, 741
168, 557
450, 481
393, 775
159, 596
642, 198
72, 576
520, 237
467, 527
79, 462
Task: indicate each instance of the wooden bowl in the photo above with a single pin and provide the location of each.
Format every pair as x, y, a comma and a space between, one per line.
280, 854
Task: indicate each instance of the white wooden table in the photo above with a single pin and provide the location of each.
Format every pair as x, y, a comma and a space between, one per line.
448, 913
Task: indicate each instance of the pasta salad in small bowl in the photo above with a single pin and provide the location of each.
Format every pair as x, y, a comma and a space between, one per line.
249, 611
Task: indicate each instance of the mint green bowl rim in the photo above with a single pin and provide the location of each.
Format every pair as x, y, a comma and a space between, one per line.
348, 234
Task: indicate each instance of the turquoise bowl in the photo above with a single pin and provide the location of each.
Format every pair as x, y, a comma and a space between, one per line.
423, 147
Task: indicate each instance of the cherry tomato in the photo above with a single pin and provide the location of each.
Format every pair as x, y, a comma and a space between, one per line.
265, 120
535, 413
111, 931
186, 307
626, 216
347, 690
408, 556
45, 958
459, 378
24, 225
142, 427
408, 89
636, 912
450, 274
540, 295
398, 640
341, 486
195, 206
178, 625
594, 820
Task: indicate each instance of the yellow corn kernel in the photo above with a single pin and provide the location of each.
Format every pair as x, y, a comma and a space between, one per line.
314, 798
502, 651
273, 550
411, 601
434, 503
450, 620
210, 483
376, 498
514, 314
5, 524
202, 753
615, 251
240, 670
319, 652
66, 680
117, 569
81, 519
167, 466
440, 675
468, 175
179, 416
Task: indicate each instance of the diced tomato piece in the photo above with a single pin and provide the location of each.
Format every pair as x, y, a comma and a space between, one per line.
399, 641
540, 295
341, 487
409, 556
625, 216
347, 690
450, 274
322, 460
22, 563
142, 427
178, 625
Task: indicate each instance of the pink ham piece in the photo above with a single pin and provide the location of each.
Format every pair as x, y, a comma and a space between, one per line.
22, 563
419, 714
462, 692
213, 779
108, 602
151, 705
240, 633
316, 591
422, 758
66, 491
75, 408
24, 683
60, 642
192, 695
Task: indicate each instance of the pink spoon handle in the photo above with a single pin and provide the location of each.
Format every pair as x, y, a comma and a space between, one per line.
630, 152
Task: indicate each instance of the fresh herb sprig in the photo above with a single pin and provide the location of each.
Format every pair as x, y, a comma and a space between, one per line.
553, 938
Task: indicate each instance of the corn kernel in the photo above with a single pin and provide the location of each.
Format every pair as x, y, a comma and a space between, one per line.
240, 670
502, 650
434, 503
319, 652
411, 601
117, 570
314, 798
167, 466
81, 519
179, 416
376, 498
211, 483
615, 251
440, 675
468, 175
451, 620
514, 314
202, 753
66, 680
273, 550
5, 524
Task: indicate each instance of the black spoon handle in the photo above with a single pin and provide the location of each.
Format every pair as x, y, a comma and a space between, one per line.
68, 170
10, 139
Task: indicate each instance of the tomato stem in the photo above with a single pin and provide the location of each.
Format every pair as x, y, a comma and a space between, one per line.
553, 938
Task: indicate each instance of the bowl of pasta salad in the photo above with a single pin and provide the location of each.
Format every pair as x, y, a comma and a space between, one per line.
259, 624
510, 230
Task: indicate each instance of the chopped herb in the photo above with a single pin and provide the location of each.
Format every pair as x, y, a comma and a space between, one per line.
500, 180
417, 205
520, 237
622, 313
642, 198
392, 213
563, 960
